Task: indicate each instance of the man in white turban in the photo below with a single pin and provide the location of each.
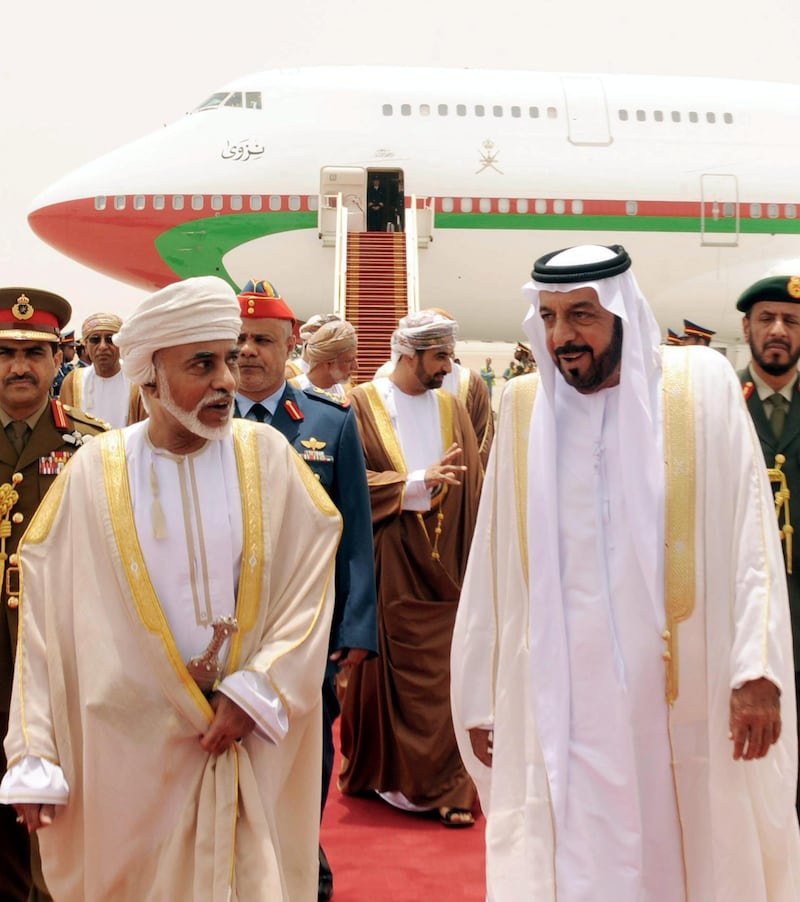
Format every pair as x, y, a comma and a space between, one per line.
165, 725
331, 352
623, 687
424, 476
103, 389
467, 385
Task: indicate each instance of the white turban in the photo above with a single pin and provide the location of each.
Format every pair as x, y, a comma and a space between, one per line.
204, 308
423, 330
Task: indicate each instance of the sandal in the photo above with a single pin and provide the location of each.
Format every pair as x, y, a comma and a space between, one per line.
456, 817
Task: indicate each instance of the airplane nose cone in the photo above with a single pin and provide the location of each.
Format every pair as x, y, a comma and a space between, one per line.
103, 240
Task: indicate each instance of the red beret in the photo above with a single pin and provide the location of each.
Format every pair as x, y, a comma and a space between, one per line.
260, 300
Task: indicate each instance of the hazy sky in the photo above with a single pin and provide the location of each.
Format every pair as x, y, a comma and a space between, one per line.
82, 78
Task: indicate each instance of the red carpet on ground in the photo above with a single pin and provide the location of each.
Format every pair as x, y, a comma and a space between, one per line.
380, 854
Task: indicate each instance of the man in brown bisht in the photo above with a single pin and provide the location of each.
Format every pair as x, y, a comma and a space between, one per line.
424, 475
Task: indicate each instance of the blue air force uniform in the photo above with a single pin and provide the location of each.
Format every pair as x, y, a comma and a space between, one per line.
323, 430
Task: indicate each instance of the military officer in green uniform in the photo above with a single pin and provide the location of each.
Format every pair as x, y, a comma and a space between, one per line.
38, 435
771, 324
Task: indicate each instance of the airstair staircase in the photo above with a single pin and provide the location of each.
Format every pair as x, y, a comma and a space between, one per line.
376, 295
376, 284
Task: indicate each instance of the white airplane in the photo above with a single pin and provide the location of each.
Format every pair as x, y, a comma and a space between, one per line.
698, 178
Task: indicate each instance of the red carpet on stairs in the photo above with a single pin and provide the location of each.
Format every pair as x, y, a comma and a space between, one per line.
380, 854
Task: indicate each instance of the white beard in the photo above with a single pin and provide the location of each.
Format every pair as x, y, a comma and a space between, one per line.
190, 419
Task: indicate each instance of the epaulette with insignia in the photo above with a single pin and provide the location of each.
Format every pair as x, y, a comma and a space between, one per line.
85, 419
322, 395
747, 389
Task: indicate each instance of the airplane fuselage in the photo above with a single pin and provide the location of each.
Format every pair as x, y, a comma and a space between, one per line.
696, 177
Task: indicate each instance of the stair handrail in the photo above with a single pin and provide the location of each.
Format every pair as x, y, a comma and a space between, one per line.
340, 264
412, 257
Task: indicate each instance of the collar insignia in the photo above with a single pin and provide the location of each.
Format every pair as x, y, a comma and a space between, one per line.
747, 388
293, 410
59, 416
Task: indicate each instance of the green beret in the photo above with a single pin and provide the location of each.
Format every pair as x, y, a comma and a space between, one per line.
773, 288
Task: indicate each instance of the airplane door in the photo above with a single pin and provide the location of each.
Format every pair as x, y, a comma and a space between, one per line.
719, 210
587, 112
351, 183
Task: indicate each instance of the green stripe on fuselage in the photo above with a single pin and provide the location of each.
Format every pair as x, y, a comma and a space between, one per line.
199, 247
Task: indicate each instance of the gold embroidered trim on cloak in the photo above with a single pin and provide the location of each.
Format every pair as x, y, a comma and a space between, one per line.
118, 493
523, 397
679, 501
37, 532
249, 469
245, 449
388, 436
463, 384
384, 422
42, 521
524, 394
77, 386
318, 494
446, 411
19, 663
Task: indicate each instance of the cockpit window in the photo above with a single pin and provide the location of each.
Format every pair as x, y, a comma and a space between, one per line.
213, 101
237, 99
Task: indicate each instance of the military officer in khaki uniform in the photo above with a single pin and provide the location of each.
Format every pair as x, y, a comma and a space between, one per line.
37, 437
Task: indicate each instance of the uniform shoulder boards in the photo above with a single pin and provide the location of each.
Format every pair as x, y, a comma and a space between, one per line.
322, 395
93, 424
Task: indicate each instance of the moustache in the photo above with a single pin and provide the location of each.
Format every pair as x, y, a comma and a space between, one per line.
777, 343
216, 397
10, 380
572, 349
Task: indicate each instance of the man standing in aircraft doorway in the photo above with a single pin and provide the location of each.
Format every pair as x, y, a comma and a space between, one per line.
376, 206
771, 326
622, 667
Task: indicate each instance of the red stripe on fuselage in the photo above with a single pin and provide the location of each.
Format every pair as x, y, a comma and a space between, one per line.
118, 243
